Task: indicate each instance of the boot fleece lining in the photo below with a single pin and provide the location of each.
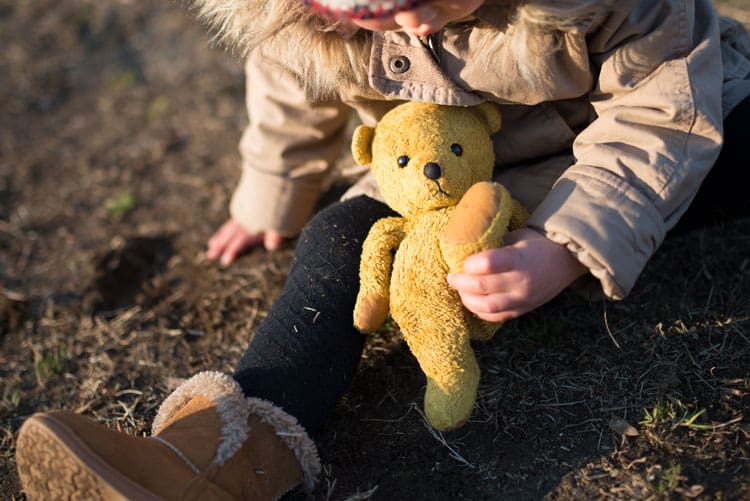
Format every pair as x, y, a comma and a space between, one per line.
234, 409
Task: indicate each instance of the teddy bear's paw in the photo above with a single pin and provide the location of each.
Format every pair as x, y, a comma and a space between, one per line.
448, 411
474, 214
370, 312
479, 222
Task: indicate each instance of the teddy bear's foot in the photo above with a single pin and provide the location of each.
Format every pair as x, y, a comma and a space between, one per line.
448, 411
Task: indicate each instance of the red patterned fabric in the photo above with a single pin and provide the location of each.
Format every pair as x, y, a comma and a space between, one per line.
361, 9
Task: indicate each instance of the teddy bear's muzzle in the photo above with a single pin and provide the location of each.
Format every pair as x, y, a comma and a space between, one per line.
432, 170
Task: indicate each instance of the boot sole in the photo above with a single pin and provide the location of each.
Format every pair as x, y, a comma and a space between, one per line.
53, 463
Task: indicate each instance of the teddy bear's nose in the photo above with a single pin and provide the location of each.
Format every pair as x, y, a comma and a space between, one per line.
432, 170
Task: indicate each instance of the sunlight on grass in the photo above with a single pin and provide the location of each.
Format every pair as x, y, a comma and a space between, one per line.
677, 414
124, 81
667, 412
156, 108
669, 479
10, 401
120, 205
50, 363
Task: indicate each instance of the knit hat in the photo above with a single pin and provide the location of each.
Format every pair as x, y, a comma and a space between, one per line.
361, 9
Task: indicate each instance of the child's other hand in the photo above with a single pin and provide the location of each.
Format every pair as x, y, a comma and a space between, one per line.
232, 239
504, 283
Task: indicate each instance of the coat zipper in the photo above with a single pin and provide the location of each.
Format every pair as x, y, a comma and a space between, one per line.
431, 42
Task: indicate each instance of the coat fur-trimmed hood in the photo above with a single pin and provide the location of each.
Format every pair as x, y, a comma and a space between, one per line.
321, 51
326, 54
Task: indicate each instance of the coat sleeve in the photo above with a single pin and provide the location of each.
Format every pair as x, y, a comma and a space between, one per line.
657, 134
288, 149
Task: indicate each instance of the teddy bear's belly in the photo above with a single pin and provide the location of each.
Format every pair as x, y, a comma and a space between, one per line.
419, 289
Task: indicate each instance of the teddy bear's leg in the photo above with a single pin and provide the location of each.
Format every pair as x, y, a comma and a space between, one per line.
450, 395
452, 373
481, 330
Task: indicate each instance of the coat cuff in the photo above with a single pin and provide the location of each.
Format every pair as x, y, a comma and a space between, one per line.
609, 226
267, 201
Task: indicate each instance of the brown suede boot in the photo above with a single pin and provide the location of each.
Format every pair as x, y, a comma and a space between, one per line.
209, 442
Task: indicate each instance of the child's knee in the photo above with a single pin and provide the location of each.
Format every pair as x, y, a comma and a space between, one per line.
346, 223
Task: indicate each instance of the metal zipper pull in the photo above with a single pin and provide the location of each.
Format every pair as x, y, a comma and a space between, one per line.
431, 43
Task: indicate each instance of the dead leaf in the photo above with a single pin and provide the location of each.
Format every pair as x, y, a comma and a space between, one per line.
693, 491
622, 427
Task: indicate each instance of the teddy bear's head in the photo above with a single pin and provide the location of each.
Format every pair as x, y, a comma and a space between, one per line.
425, 156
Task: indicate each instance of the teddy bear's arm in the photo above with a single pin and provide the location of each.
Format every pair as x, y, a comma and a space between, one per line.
480, 221
375, 267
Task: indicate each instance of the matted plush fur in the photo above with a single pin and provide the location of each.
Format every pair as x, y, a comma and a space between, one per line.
336, 56
235, 408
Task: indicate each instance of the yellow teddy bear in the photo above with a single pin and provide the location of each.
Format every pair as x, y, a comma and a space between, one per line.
433, 165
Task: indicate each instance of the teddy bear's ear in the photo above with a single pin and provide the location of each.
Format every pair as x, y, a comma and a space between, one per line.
362, 144
490, 115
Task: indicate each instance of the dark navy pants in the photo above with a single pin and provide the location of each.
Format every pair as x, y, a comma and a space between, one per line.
305, 352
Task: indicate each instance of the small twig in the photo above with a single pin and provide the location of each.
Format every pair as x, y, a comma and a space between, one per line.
713, 427
582, 423
5, 227
634, 462
441, 439
13, 295
362, 495
609, 331
563, 404
708, 301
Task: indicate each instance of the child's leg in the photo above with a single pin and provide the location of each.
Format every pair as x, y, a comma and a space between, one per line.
723, 196
212, 437
304, 354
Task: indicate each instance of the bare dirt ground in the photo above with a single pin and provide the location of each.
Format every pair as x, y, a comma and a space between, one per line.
118, 152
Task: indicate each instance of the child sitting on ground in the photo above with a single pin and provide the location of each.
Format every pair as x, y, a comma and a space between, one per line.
613, 113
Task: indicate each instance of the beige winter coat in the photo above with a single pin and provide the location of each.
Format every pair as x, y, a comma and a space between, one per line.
605, 139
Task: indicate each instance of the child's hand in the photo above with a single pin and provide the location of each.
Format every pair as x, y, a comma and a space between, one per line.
504, 283
232, 239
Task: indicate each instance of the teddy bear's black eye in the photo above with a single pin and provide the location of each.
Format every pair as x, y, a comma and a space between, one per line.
456, 149
402, 161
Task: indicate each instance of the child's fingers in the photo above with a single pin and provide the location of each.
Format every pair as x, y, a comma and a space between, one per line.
490, 261
494, 307
219, 240
466, 283
236, 246
272, 240
488, 303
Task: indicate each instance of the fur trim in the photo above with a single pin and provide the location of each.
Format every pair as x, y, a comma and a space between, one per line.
293, 435
281, 28
235, 409
230, 402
